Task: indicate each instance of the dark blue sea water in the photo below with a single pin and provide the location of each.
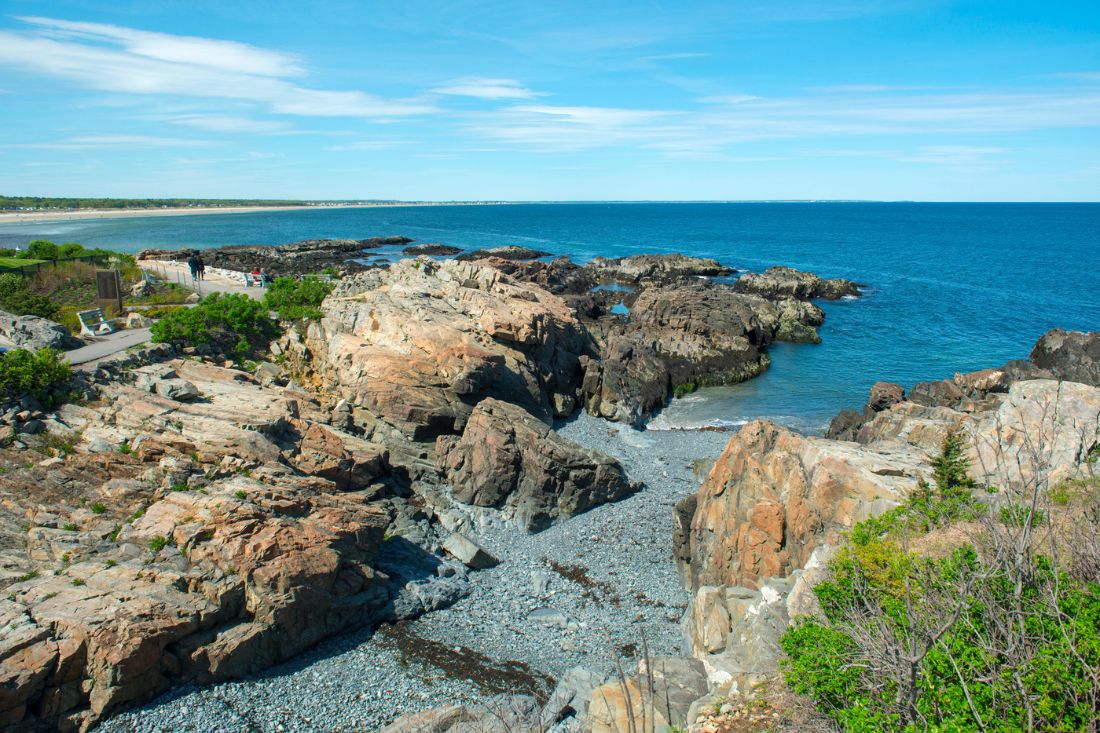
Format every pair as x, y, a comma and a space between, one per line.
952, 287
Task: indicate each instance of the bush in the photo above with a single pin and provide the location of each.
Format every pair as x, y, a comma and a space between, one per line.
36, 373
294, 299
976, 638
233, 322
17, 299
41, 249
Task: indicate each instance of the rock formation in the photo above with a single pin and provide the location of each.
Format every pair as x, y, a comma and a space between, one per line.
182, 541
506, 458
296, 258
419, 344
656, 268
511, 252
34, 332
787, 282
774, 508
687, 336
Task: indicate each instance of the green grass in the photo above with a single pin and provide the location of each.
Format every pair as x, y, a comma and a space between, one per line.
17, 262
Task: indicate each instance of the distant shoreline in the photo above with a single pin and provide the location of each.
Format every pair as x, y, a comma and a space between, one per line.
20, 217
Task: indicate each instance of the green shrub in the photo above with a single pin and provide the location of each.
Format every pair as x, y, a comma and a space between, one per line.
963, 642
41, 249
98, 508
158, 543
294, 299
33, 373
234, 322
17, 299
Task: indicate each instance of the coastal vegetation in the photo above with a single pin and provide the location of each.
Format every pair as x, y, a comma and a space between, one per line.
295, 299
33, 373
951, 614
232, 322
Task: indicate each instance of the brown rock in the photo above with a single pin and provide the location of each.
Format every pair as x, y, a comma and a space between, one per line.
509, 460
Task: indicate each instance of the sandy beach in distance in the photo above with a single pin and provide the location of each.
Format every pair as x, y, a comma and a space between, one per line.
15, 217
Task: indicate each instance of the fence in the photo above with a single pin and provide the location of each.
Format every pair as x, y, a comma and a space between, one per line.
29, 270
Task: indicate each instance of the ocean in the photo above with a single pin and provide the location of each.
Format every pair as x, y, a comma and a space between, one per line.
949, 287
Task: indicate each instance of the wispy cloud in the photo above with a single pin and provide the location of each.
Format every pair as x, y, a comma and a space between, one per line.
189, 50
488, 89
724, 122
84, 142
368, 145
115, 59
230, 124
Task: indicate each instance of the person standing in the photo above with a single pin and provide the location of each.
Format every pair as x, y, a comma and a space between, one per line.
202, 267
193, 266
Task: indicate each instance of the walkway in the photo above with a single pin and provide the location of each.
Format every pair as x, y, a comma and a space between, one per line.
107, 345
214, 282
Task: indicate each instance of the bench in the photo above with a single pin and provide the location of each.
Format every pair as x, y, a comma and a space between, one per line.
94, 323
250, 280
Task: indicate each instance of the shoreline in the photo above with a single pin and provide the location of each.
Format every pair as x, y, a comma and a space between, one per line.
30, 217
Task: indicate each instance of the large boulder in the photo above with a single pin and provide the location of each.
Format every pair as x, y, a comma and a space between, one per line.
1070, 355
419, 344
508, 459
34, 332
787, 282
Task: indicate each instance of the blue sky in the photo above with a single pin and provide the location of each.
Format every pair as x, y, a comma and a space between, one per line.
925, 100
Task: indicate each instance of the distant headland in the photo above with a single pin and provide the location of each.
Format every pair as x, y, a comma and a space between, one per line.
33, 208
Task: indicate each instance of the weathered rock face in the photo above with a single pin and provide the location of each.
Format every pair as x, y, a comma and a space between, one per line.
1070, 355
230, 534
507, 459
673, 336
33, 332
632, 704
774, 496
656, 268
786, 282
420, 344
773, 509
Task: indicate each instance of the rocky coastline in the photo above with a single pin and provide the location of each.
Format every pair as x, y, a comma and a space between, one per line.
446, 480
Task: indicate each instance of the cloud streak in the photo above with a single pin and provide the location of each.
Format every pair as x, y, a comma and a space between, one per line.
115, 59
488, 89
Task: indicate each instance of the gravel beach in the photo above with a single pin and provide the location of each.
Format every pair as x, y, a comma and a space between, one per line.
580, 593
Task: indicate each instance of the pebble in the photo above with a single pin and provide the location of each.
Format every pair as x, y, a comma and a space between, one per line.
621, 553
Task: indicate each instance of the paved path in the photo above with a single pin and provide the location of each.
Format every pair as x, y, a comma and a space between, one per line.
107, 345
177, 272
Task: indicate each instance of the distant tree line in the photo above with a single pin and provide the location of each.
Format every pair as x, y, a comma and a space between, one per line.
16, 203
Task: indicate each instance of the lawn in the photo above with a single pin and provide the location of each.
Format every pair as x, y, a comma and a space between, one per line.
16, 262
